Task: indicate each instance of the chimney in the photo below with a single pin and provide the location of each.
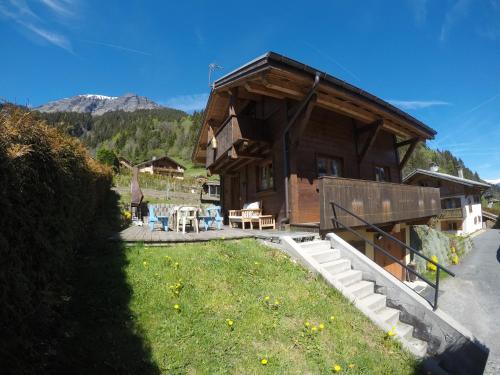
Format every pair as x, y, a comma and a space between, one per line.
434, 167
460, 172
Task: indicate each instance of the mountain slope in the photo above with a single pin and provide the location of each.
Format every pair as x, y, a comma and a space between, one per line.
99, 104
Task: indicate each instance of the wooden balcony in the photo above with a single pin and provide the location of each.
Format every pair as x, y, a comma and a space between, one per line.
237, 140
375, 202
452, 213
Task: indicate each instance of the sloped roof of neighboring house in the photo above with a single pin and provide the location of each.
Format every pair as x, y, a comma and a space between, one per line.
447, 177
151, 161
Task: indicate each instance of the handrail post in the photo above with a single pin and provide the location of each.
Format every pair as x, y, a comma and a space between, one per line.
436, 292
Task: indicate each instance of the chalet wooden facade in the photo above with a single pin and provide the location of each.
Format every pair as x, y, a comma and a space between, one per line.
460, 199
282, 133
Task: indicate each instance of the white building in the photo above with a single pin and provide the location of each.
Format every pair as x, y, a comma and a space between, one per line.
461, 211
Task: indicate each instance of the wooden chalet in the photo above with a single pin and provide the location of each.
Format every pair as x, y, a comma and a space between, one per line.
296, 139
164, 166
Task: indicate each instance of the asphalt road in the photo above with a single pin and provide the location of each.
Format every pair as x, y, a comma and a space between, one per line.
473, 296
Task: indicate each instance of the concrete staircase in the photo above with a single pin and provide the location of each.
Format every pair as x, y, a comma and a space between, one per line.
339, 272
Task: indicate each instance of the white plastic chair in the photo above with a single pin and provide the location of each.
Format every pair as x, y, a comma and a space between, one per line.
185, 214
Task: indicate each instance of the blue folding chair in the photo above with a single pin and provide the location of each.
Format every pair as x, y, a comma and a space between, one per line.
213, 216
152, 219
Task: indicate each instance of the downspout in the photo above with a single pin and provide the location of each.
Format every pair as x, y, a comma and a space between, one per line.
285, 145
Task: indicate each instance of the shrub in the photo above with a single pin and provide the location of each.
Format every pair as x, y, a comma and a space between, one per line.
50, 190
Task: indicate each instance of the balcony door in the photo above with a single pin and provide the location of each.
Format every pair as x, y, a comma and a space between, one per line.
395, 250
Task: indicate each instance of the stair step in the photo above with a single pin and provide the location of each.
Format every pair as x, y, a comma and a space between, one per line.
316, 245
417, 347
337, 266
404, 330
374, 301
325, 256
362, 288
388, 315
348, 277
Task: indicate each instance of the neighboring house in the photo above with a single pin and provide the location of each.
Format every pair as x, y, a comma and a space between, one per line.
282, 133
125, 163
460, 198
210, 192
164, 166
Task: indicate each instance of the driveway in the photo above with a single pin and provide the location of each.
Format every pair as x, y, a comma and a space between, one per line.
473, 296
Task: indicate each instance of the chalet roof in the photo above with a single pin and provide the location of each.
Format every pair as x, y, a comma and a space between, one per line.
151, 161
446, 177
275, 74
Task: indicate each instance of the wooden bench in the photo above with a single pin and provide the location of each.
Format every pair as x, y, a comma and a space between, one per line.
251, 213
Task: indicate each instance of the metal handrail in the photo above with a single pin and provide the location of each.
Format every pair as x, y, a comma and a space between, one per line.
399, 242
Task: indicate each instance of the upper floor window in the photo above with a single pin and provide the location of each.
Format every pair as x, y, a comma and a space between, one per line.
450, 203
382, 174
265, 176
328, 166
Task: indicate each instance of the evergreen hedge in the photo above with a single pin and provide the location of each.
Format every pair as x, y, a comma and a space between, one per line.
50, 190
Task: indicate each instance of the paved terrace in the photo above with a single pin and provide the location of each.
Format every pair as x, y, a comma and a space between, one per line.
143, 234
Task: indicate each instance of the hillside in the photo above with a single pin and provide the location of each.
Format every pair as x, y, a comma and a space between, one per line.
423, 156
137, 135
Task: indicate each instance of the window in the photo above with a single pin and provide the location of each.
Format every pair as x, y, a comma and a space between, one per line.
476, 198
265, 179
450, 203
452, 225
327, 166
382, 174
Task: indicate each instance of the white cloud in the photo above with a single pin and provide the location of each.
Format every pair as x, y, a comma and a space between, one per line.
20, 13
452, 16
188, 103
417, 104
115, 46
59, 7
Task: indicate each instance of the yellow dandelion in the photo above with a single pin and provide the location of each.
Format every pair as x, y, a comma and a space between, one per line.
321, 327
263, 361
277, 302
314, 329
229, 322
145, 263
177, 307
256, 263
332, 318
336, 368
266, 298
307, 324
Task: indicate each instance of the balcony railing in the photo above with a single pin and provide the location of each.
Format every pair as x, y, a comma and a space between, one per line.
452, 213
234, 130
375, 202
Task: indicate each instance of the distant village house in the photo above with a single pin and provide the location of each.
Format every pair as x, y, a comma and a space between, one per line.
163, 166
460, 198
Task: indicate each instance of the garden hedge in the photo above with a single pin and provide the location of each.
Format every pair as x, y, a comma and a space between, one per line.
50, 191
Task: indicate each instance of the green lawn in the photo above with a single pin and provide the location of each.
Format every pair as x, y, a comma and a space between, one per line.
125, 319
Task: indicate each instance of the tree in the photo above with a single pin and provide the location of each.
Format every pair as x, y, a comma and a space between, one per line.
107, 157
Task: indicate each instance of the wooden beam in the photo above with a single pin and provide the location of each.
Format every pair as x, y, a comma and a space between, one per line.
370, 140
405, 143
408, 153
256, 88
365, 128
304, 120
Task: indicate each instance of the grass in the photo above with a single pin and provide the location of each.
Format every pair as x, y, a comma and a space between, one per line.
128, 323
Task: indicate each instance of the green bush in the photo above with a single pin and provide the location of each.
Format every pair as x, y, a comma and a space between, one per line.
50, 191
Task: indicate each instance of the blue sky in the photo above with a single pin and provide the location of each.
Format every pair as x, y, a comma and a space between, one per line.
438, 60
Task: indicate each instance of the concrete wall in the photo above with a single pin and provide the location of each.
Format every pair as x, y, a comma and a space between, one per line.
457, 350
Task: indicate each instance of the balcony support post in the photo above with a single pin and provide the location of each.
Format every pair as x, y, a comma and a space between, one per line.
370, 140
408, 153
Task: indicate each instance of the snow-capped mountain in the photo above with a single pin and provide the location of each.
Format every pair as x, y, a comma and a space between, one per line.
99, 104
494, 182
